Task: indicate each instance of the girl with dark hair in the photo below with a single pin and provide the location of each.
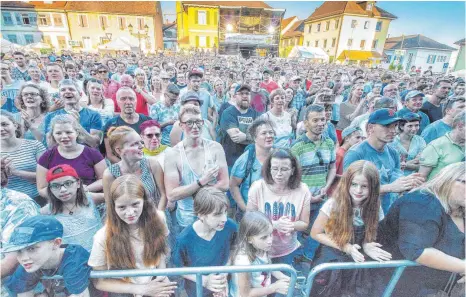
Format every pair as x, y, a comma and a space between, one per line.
133, 238
285, 200
71, 206
346, 227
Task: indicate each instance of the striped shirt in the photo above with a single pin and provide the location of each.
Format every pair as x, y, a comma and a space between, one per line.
315, 159
24, 158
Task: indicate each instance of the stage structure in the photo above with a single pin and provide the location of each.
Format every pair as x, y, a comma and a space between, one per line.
249, 31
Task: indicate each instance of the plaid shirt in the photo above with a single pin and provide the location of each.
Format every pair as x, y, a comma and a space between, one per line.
299, 99
315, 159
17, 74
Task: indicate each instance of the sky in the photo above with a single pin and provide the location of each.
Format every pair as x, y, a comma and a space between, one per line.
443, 21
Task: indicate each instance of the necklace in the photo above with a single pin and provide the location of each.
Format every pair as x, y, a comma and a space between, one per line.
32, 120
70, 211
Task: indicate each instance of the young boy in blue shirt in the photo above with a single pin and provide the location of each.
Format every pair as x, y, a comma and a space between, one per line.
37, 242
207, 242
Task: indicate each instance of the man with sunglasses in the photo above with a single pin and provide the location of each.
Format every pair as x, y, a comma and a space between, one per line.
437, 129
166, 112
317, 155
110, 86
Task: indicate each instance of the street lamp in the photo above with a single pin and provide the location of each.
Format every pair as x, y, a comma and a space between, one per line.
139, 34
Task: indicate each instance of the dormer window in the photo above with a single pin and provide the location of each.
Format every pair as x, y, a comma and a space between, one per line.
369, 6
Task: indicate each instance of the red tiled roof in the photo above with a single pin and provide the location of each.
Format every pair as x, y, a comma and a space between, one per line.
251, 4
293, 32
287, 21
34, 4
332, 8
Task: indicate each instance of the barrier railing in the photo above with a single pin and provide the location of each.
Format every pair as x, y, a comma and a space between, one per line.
400, 266
199, 272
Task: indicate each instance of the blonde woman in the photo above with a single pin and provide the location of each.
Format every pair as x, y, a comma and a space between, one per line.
427, 225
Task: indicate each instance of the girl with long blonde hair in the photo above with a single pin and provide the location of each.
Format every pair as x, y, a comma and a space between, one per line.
346, 227
133, 238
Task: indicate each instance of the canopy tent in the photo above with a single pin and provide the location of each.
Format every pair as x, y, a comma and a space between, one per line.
120, 44
7, 46
359, 55
38, 46
308, 53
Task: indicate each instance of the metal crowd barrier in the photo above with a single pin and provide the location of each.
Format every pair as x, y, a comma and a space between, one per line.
198, 271
400, 266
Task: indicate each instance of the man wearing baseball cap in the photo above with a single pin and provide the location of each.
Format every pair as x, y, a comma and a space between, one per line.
38, 244
413, 103
194, 84
299, 98
268, 83
382, 128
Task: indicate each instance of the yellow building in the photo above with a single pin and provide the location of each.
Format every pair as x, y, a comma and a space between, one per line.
349, 31
250, 28
291, 38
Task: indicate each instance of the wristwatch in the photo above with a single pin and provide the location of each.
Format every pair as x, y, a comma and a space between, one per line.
199, 183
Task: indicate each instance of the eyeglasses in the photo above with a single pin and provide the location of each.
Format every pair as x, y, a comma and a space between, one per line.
282, 170
151, 135
103, 71
190, 124
30, 94
57, 187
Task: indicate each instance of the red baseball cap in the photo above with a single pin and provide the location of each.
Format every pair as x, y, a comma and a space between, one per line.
55, 172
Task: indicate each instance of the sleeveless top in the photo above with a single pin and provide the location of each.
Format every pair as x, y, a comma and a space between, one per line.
80, 228
185, 207
146, 178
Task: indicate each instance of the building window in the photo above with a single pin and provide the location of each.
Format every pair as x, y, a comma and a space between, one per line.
327, 26
141, 23
369, 7
366, 25
337, 23
87, 43
12, 38
57, 20
47, 39
354, 23
334, 41
82, 21
202, 41
308, 43
363, 44
61, 41
318, 27
310, 28
201, 18
25, 19
316, 43
7, 20
44, 19
431, 59
121, 23
103, 21
378, 27
375, 43
325, 43
29, 38
350, 42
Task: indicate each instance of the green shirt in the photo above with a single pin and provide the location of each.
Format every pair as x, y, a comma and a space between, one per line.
441, 153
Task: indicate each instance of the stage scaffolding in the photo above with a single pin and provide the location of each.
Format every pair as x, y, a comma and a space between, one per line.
249, 31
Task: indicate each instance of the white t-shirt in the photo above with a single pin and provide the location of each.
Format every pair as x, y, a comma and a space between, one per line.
257, 279
357, 212
98, 255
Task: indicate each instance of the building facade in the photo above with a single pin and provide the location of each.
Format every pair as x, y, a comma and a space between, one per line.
294, 36
250, 28
460, 63
418, 51
350, 32
170, 41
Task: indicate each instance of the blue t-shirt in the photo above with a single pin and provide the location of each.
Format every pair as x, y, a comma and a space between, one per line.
435, 130
89, 119
424, 118
330, 132
386, 161
73, 268
194, 251
233, 118
416, 146
239, 171
10, 92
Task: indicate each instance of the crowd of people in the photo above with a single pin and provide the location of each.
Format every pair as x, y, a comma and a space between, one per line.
151, 162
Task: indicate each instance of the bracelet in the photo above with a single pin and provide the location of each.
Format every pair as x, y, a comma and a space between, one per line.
199, 184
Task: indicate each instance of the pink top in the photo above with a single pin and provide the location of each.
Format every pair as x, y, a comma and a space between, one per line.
296, 205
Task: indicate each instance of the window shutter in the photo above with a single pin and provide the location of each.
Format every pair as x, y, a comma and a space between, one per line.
215, 18
19, 19
207, 41
207, 21
197, 41
196, 16
33, 19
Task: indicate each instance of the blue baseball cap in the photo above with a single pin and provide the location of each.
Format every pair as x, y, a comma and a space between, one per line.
383, 116
410, 117
412, 94
239, 88
349, 130
33, 230
191, 95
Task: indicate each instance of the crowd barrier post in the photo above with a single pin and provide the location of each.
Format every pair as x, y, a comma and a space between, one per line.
198, 271
400, 266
